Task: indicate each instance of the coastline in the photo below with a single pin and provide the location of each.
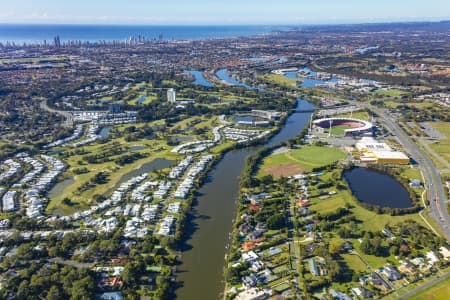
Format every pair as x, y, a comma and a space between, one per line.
36, 34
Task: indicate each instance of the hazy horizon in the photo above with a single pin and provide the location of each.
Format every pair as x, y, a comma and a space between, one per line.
215, 13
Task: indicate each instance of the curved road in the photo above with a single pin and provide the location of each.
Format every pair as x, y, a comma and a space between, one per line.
435, 190
67, 115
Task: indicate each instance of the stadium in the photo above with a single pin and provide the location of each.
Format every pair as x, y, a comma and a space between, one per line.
344, 126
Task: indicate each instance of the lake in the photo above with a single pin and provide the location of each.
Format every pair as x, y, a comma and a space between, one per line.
377, 188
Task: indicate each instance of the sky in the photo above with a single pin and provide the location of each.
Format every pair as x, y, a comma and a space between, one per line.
220, 12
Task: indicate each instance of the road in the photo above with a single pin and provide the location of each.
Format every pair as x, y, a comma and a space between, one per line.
68, 116
292, 236
424, 286
431, 151
436, 194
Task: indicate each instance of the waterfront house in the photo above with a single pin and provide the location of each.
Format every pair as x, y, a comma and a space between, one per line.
249, 281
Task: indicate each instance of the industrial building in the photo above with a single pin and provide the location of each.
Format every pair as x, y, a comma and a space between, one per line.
372, 151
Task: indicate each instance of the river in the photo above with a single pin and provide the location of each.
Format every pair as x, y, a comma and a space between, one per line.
212, 216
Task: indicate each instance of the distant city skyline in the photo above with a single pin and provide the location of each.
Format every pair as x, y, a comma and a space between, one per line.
230, 12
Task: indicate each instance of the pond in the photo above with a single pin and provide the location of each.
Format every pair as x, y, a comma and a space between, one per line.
104, 131
141, 99
59, 188
156, 164
377, 188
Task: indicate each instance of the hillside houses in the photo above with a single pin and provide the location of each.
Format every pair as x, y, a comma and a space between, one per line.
38, 168
76, 134
199, 146
188, 183
242, 136
8, 201
177, 171
12, 168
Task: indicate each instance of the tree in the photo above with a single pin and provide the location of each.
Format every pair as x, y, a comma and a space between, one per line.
53, 293
23, 292
276, 221
335, 248
82, 289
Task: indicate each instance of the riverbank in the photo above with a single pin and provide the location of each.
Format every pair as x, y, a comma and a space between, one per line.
213, 213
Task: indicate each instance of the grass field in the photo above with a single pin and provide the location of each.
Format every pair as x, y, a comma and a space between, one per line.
299, 160
153, 149
363, 115
354, 262
392, 93
280, 80
442, 147
339, 129
366, 218
439, 291
418, 105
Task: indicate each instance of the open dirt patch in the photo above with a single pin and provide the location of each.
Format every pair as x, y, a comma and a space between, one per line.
285, 170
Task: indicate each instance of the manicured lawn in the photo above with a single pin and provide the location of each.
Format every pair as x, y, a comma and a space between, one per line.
327, 205
376, 221
280, 80
439, 291
363, 115
282, 287
412, 173
299, 160
340, 129
116, 173
354, 262
392, 93
314, 156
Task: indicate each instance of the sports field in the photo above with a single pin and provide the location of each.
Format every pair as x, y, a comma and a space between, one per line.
299, 160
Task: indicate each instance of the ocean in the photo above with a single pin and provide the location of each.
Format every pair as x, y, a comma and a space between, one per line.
27, 33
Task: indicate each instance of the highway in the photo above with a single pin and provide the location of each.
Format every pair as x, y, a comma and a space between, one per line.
435, 190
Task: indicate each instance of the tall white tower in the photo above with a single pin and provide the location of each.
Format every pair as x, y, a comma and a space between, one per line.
171, 95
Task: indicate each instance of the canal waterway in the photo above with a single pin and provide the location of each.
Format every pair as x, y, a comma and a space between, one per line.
223, 75
211, 219
308, 82
377, 188
199, 79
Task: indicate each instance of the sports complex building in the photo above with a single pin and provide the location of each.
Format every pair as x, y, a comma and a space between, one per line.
372, 151
355, 126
